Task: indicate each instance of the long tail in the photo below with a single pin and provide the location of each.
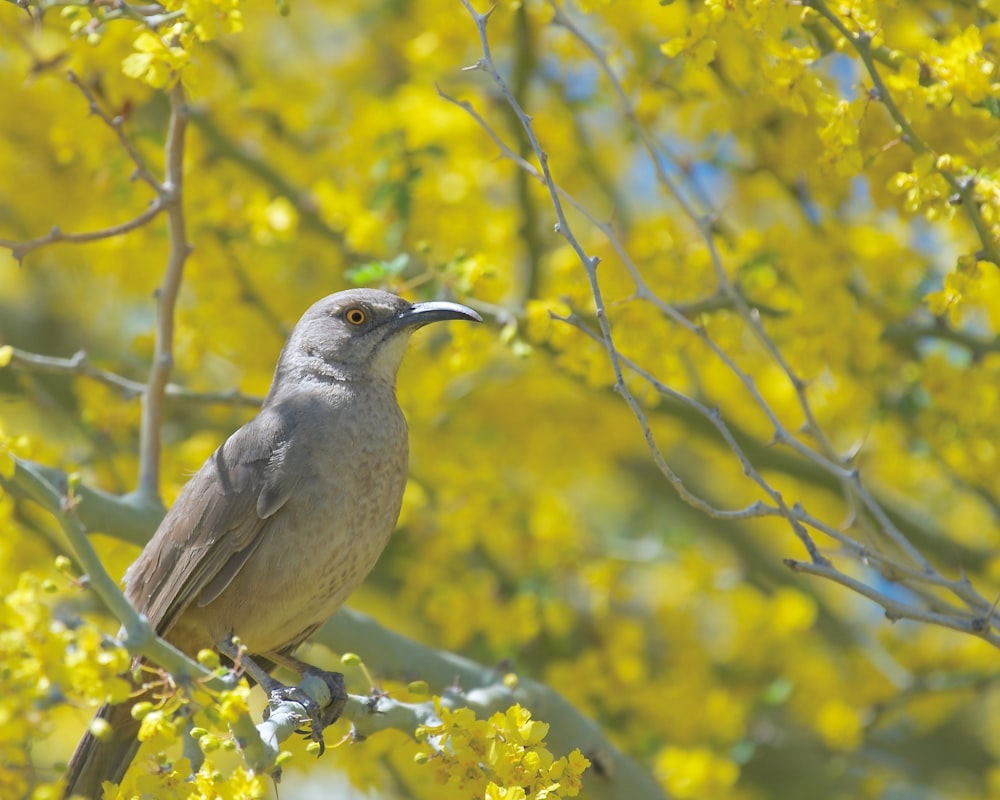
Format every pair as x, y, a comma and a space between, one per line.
95, 761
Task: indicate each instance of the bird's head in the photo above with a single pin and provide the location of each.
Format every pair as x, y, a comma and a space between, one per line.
360, 334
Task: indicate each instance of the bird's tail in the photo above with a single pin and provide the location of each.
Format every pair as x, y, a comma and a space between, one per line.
106, 759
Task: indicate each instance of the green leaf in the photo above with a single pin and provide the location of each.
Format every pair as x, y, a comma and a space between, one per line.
377, 271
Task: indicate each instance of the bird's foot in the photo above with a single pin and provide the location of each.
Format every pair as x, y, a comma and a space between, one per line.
338, 693
320, 717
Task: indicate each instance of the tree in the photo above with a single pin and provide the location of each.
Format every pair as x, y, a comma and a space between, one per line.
736, 407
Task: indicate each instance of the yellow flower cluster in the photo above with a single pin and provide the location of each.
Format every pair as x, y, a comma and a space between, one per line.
695, 773
44, 661
502, 758
163, 725
174, 781
924, 188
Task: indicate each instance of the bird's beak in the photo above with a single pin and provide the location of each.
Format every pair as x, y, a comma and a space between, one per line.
420, 314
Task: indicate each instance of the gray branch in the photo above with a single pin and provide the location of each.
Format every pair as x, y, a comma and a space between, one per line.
460, 681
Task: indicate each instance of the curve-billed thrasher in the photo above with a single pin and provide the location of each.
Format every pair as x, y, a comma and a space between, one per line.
288, 516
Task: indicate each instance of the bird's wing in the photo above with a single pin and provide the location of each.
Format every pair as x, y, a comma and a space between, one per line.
216, 523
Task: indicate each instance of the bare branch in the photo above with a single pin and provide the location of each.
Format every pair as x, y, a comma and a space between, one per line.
78, 364
116, 124
981, 626
166, 299
590, 266
923, 576
750, 315
159, 203
21, 249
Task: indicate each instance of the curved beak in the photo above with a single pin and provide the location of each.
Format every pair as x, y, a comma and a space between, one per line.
420, 314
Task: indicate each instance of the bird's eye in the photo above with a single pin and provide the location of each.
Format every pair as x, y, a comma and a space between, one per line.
356, 316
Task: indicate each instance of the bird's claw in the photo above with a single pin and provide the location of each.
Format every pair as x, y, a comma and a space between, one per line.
319, 717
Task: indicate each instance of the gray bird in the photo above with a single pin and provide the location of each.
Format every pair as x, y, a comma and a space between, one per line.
287, 517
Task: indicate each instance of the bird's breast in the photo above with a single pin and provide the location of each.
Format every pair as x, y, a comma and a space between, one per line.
350, 472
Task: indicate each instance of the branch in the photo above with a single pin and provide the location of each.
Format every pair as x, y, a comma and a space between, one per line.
907, 335
827, 459
389, 653
78, 364
166, 299
140, 638
812, 462
964, 186
656, 150
796, 514
464, 683
115, 123
706, 224
982, 626
21, 249
590, 267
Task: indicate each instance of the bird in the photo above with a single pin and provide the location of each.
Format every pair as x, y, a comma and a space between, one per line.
286, 518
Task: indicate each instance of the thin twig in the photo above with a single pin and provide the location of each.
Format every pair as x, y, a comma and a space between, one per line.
705, 224
756, 509
827, 459
896, 609
590, 266
141, 172
21, 249
901, 573
78, 364
963, 185
116, 124
781, 434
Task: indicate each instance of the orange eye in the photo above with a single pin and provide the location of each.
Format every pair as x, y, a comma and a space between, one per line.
356, 316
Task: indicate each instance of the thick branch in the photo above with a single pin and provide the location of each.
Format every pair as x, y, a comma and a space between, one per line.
393, 655
389, 653
140, 639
